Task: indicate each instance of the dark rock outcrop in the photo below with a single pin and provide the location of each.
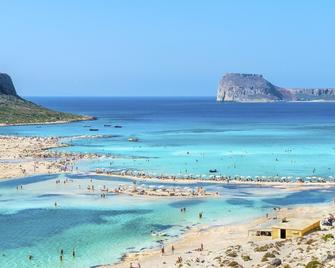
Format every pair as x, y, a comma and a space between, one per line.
236, 87
6, 85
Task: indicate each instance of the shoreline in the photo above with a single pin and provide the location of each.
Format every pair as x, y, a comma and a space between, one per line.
274, 181
84, 118
276, 184
222, 240
26, 156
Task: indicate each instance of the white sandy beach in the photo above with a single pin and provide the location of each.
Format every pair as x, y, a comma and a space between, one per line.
230, 246
24, 156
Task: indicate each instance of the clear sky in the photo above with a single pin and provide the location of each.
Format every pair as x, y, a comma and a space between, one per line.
163, 47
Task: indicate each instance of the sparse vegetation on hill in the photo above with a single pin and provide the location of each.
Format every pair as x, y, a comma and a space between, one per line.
16, 110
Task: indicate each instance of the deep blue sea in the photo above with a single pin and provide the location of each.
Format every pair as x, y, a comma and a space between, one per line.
176, 136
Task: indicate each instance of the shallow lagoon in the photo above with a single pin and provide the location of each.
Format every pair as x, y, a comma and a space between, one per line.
101, 230
176, 136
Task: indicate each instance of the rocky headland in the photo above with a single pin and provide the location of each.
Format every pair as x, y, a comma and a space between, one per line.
15, 110
237, 87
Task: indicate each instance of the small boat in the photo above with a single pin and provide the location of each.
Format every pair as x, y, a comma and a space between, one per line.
133, 139
107, 125
86, 126
213, 171
94, 129
118, 126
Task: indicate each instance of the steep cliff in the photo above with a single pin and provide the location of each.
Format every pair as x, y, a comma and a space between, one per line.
6, 85
16, 110
236, 87
247, 87
312, 94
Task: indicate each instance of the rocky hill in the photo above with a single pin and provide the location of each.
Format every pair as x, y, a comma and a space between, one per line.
238, 87
6, 85
16, 110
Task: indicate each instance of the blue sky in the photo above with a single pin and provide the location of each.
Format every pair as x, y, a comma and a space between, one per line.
163, 48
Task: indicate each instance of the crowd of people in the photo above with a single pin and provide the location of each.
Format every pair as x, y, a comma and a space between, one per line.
218, 178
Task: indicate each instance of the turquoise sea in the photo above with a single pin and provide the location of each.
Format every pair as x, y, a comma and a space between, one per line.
193, 135
176, 136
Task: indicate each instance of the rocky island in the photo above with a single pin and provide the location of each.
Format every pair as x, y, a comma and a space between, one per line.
237, 87
16, 110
